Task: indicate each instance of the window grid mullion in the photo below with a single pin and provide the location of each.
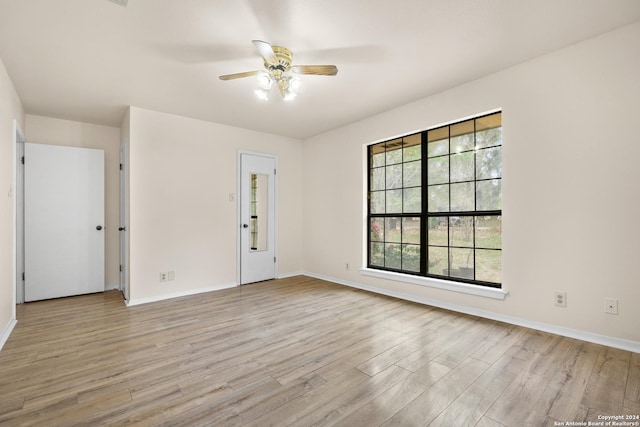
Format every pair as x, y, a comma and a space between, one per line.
475, 201
424, 225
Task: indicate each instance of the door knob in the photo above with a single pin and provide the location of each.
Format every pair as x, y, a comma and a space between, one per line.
99, 228
122, 228
245, 225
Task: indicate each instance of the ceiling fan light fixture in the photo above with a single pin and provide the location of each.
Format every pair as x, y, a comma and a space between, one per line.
289, 96
265, 81
290, 87
262, 94
294, 84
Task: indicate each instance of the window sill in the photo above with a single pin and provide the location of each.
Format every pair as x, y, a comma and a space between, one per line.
482, 291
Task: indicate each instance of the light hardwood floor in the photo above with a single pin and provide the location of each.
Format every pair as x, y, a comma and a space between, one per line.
299, 352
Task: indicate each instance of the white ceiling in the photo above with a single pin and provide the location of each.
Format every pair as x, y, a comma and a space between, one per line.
87, 60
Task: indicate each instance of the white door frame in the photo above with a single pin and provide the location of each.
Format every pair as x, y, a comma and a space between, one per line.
123, 227
18, 215
238, 211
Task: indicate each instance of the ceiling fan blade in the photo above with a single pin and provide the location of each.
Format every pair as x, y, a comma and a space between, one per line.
239, 75
318, 70
266, 51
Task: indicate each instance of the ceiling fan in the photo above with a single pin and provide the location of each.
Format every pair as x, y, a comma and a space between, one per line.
278, 70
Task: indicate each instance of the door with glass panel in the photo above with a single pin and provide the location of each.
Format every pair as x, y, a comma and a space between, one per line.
257, 217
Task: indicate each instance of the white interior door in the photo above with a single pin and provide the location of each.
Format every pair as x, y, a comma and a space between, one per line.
64, 221
257, 218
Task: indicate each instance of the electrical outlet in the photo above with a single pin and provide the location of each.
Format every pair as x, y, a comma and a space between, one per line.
611, 305
163, 276
346, 266
171, 275
560, 299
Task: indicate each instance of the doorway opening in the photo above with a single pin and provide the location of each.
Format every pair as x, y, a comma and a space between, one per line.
18, 213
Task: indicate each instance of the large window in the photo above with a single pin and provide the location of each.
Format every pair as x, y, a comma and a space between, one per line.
435, 202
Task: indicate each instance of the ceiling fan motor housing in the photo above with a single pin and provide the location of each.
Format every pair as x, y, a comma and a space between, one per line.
284, 57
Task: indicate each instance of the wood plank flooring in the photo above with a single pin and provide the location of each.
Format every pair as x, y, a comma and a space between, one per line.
298, 352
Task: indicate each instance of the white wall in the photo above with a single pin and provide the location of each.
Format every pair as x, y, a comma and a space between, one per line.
46, 130
10, 111
570, 190
182, 171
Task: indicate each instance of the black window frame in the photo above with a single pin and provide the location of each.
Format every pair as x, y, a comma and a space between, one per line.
425, 216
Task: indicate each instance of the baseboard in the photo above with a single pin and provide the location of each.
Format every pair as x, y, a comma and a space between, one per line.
287, 275
540, 326
7, 332
137, 301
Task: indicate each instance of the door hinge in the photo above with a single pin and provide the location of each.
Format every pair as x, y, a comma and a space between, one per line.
275, 171
274, 259
120, 267
22, 160
23, 276
120, 166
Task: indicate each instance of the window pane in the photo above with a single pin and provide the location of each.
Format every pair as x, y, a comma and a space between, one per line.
413, 147
392, 230
489, 265
394, 201
394, 176
438, 261
438, 198
438, 142
411, 230
392, 255
438, 170
461, 231
462, 197
438, 148
462, 143
411, 257
462, 128
412, 200
437, 233
376, 257
488, 195
377, 179
376, 231
461, 262
488, 122
412, 153
393, 155
438, 134
412, 174
377, 155
489, 232
489, 130
489, 163
489, 138
462, 167
377, 202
